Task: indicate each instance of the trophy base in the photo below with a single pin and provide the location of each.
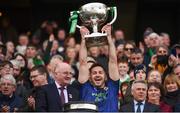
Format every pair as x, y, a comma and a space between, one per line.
96, 39
96, 35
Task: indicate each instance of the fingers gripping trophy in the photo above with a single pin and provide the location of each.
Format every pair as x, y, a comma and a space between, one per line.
93, 15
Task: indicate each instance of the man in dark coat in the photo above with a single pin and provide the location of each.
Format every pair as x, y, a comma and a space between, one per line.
52, 97
9, 102
139, 103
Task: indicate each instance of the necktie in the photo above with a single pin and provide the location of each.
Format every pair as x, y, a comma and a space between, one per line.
139, 107
62, 95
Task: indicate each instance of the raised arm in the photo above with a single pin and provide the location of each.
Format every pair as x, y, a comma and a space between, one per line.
112, 65
83, 68
48, 49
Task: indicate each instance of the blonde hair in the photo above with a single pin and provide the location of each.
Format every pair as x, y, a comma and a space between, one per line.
171, 78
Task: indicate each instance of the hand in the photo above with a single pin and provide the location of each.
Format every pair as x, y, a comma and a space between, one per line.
84, 31
54, 24
51, 37
154, 59
141, 46
5, 108
172, 61
44, 24
31, 102
107, 29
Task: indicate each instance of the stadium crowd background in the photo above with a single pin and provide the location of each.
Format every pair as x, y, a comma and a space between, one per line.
148, 70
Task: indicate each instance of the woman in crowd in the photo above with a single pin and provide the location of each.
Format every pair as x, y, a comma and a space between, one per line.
172, 89
10, 49
155, 96
159, 61
128, 48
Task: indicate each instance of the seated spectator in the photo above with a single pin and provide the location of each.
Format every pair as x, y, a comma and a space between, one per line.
52, 64
140, 72
21, 58
172, 88
23, 78
119, 49
159, 61
154, 76
38, 76
52, 97
2, 51
20, 88
152, 43
156, 95
176, 71
6, 67
10, 49
31, 51
122, 91
139, 103
119, 35
70, 42
9, 102
23, 42
51, 49
128, 48
165, 39
123, 70
136, 58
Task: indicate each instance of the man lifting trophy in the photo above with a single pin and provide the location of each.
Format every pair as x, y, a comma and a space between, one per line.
93, 15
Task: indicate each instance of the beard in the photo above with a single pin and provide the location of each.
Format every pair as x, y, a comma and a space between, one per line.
98, 83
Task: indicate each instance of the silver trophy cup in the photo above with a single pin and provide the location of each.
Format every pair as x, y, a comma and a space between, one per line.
94, 15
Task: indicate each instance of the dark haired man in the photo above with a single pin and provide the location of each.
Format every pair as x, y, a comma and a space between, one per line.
38, 77
96, 87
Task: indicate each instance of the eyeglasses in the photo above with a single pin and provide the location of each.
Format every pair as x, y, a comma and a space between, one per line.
130, 49
6, 67
32, 77
35, 76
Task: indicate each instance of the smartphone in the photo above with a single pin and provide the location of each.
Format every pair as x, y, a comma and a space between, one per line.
173, 52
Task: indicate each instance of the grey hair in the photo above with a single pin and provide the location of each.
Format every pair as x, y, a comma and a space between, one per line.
8, 77
57, 57
138, 81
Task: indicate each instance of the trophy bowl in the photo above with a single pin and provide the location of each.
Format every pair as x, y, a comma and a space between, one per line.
96, 11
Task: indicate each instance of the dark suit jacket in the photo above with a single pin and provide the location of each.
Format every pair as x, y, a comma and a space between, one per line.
148, 107
48, 98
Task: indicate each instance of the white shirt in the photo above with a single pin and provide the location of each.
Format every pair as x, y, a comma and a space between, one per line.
64, 91
141, 106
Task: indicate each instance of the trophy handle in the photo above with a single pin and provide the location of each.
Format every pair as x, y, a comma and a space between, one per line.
114, 10
73, 20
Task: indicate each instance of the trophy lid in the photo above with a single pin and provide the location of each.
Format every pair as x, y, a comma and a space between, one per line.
93, 10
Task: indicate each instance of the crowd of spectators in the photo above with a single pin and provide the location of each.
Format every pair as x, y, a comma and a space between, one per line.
47, 70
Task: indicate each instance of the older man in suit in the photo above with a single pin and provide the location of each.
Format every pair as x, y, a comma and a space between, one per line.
139, 103
52, 97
